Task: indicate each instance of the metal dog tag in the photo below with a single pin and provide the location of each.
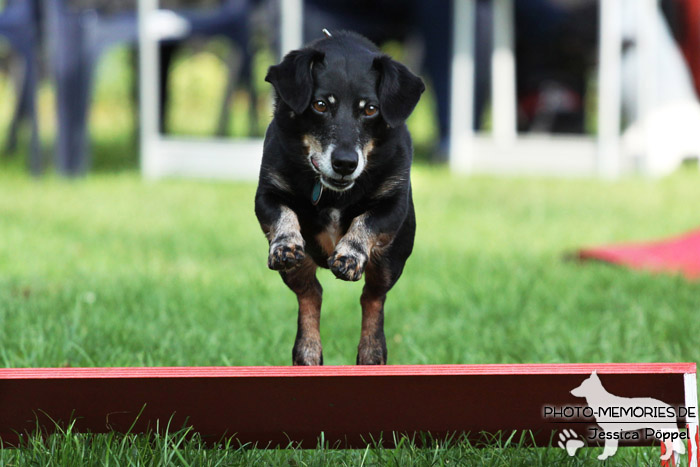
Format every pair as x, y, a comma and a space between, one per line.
316, 193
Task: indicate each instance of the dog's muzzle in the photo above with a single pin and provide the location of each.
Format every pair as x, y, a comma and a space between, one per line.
338, 184
338, 168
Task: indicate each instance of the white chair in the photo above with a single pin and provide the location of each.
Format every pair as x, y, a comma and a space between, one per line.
665, 128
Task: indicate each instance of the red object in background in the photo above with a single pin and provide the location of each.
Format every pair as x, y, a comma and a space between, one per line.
351, 405
690, 40
676, 255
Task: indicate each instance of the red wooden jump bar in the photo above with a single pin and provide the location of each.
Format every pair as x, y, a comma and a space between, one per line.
271, 406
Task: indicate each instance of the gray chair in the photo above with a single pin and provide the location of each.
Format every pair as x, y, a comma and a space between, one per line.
19, 23
79, 36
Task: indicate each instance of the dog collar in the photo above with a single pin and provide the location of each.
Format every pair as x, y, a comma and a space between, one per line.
316, 192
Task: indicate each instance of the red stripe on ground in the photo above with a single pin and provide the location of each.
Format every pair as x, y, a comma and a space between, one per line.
675, 255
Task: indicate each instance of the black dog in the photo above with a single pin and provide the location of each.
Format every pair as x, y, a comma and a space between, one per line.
335, 188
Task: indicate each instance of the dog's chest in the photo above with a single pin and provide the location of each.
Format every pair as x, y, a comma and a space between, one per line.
332, 232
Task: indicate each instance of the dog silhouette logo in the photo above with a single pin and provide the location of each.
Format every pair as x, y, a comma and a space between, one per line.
624, 417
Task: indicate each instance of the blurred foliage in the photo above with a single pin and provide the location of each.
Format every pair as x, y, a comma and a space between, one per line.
197, 83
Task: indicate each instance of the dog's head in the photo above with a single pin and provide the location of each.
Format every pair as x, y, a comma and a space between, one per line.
342, 93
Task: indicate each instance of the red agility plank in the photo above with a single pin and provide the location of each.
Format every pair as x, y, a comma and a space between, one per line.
271, 406
678, 255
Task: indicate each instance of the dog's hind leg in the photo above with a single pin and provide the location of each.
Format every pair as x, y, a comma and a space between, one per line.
307, 345
372, 347
384, 267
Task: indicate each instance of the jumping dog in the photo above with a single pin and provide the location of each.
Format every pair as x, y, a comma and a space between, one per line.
334, 188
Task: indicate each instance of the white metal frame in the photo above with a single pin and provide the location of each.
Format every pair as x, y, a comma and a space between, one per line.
193, 157
504, 151
609, 92
462, 86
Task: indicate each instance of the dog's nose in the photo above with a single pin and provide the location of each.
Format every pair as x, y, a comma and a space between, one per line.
344, 162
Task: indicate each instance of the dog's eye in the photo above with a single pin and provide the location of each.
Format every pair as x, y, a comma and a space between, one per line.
371, 110
320, 106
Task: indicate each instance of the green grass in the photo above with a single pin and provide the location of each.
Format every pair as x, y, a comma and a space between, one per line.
181, 447
114, 270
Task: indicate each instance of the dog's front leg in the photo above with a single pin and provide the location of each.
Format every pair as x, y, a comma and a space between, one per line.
281, 226
286, 242
349, 259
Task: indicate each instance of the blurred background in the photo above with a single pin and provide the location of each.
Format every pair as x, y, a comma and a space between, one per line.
70, 82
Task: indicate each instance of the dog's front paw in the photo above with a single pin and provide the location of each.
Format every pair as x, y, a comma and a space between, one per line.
286, 253
347, 264
307, 352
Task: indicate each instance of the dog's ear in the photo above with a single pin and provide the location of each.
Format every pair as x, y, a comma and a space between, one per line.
398, 90
292, 78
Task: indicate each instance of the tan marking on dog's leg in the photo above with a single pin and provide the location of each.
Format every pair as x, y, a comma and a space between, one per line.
310, 315
307, 345
372, 347
372, 314
286, 242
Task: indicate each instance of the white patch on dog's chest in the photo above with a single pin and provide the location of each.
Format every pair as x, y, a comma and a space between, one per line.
332, 234
333, 227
